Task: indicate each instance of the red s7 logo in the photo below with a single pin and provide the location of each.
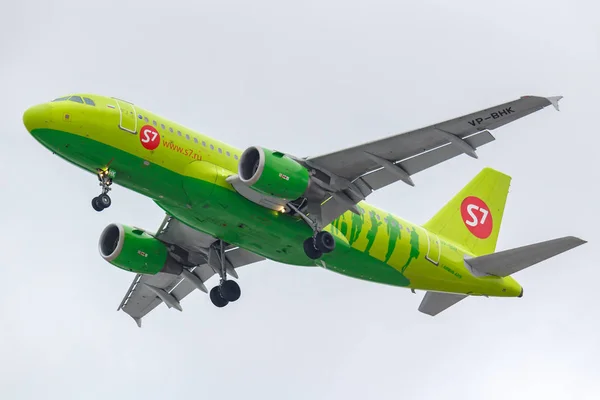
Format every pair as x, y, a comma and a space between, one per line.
149, 137
477, 217
474, 221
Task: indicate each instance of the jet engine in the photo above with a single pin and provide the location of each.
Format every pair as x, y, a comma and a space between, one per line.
273, 173
134, 250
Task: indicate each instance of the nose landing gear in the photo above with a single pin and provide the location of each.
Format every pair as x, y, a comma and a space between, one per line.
103, 201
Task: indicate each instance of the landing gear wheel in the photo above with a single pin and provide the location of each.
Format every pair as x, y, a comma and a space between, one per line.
104, 200
215, 297
324, 242
230, 290
96, 204
311, 251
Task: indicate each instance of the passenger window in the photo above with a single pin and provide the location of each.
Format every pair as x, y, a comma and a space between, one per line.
212, 147
162, 126
146, 119
187, 137
204, 143
90, 102
235, 156
76, 99
220, 151
179, 133
61, 99
195, 140
228, 154
140, 116
154, 123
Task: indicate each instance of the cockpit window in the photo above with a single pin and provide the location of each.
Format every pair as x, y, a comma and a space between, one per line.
89, 101
61, 99
76, 99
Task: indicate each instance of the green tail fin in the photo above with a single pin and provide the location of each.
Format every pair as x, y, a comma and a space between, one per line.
473, 217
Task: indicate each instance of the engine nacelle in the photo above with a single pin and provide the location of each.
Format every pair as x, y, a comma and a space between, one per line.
134, 250
273, 173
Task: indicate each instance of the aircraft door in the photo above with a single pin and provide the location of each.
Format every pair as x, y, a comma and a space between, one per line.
127, 116
434, 248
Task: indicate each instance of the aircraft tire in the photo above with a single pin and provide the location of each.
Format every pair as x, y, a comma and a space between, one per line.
104, 200
96, 204
325, 242
310, 250
230, 291
216, 298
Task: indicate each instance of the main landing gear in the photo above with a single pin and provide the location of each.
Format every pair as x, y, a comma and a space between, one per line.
227, 291
320, 243
103, 201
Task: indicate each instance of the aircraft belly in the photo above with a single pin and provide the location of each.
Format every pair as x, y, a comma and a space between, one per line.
221, 212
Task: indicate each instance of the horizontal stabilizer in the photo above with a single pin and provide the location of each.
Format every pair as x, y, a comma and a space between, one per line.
434, 302
507, 262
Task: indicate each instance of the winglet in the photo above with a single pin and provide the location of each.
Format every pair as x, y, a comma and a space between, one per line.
554, 101
138, 321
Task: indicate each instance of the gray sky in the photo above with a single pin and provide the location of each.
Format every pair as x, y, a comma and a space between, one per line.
306, 78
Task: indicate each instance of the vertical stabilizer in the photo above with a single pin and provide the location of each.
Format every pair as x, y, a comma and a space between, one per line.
473, 217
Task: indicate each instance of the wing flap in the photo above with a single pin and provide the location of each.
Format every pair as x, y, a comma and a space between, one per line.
434, 303
352, 162
140, 300
348, 176
382, 177
333, 208
186, 286
142, 297
507, 262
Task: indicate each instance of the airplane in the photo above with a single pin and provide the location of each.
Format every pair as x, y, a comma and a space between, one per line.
227, 207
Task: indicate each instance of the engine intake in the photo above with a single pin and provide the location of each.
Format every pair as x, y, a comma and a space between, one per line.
134, 250
273, 173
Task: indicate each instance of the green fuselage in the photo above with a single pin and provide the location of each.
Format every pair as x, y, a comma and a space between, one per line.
186, 176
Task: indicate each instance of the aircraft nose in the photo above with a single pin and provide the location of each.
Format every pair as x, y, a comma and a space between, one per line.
37, 116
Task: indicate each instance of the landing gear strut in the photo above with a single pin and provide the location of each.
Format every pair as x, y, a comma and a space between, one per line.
103, 201
227, 291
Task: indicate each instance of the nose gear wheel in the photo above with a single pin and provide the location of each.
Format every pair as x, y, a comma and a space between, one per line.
103, 200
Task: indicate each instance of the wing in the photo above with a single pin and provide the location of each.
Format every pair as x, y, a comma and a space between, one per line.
198, 254
348, 176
